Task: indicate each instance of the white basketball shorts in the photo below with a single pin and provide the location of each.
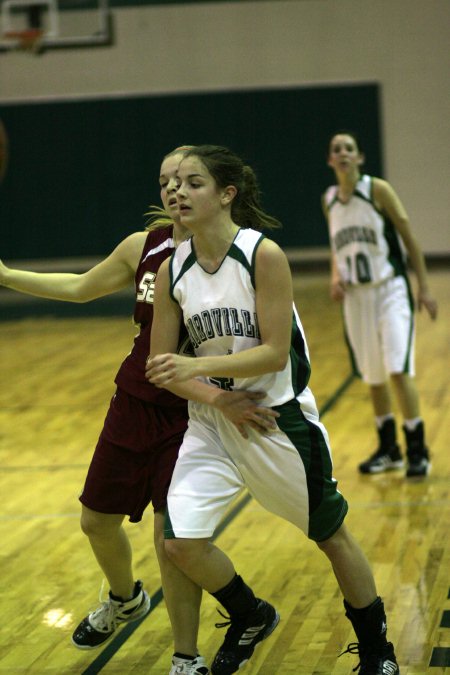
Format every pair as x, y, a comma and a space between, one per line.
289, 472
379, 325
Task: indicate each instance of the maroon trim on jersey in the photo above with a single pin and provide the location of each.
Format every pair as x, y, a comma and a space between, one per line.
157, 248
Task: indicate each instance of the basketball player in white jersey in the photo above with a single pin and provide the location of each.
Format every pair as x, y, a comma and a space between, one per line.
368, 226
232, 288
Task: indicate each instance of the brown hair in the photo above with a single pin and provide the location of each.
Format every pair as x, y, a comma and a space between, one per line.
228, 169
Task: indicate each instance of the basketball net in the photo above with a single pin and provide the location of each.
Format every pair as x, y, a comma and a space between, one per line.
27, 40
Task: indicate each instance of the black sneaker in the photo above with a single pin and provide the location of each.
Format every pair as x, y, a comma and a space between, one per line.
416, 452
242, 637
100, 625
382, 662
419, 465
383, 460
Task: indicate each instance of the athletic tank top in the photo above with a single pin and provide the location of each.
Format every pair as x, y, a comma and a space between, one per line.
364, 241
158, 246
220, 316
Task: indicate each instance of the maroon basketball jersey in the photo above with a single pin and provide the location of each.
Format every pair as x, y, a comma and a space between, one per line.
158, 246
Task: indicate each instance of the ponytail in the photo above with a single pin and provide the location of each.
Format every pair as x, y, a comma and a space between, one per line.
228, 169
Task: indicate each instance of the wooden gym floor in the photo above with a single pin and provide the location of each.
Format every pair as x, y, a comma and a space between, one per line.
57, 378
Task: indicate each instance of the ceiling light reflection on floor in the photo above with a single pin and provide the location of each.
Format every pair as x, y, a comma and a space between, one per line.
57, 618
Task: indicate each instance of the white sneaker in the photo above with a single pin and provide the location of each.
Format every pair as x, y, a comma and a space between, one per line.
195, 667
100, 625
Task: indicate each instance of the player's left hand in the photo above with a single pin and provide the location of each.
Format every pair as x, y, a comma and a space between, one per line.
424, 299
169, 368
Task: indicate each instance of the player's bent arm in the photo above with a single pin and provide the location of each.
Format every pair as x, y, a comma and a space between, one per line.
239, 407
111, 275
274, 306
166, 324
389, 202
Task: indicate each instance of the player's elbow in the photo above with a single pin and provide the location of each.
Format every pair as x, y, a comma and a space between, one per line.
80, 291
279, 360
281, 364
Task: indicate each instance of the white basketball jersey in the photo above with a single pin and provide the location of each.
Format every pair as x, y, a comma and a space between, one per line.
220, 316
364, 241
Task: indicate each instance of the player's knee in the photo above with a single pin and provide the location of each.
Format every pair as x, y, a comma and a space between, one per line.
96, 524
331, 545
181, 552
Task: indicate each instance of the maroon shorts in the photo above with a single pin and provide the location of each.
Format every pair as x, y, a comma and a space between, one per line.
135, 457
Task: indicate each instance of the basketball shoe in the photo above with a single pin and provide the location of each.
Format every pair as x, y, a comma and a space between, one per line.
195, 666
419, 464
380, 662
387, 456
100, 625
382, 460
376, 654
242, 636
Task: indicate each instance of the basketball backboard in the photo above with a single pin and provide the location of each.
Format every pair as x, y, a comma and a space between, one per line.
38, 25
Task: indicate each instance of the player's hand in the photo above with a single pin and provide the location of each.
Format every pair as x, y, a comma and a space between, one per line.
337, 289
169, 368
424, 299
242, 409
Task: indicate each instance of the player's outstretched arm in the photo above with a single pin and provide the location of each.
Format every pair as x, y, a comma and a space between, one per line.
110, 275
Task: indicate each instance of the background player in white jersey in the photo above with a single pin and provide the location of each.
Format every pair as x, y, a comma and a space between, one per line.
133, 461
368, 226
221, 282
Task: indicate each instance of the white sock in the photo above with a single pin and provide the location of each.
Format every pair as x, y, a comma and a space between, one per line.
381, 419
412, 423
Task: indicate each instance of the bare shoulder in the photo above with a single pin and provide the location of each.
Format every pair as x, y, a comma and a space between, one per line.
388, 201
268, 247
269, 253
382, 189
133, 244
380, 183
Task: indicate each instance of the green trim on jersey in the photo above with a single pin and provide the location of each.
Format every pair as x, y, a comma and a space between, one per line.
395, 255
236, 253
188, 263
360, 195
327, 506
406, 365
300, 365
354, 366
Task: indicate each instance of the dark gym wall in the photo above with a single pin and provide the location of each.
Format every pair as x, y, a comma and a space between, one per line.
82, 173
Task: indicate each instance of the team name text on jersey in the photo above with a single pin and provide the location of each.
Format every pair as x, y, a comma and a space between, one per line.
222, 321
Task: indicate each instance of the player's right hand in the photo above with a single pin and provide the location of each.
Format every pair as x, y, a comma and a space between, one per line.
242, 409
